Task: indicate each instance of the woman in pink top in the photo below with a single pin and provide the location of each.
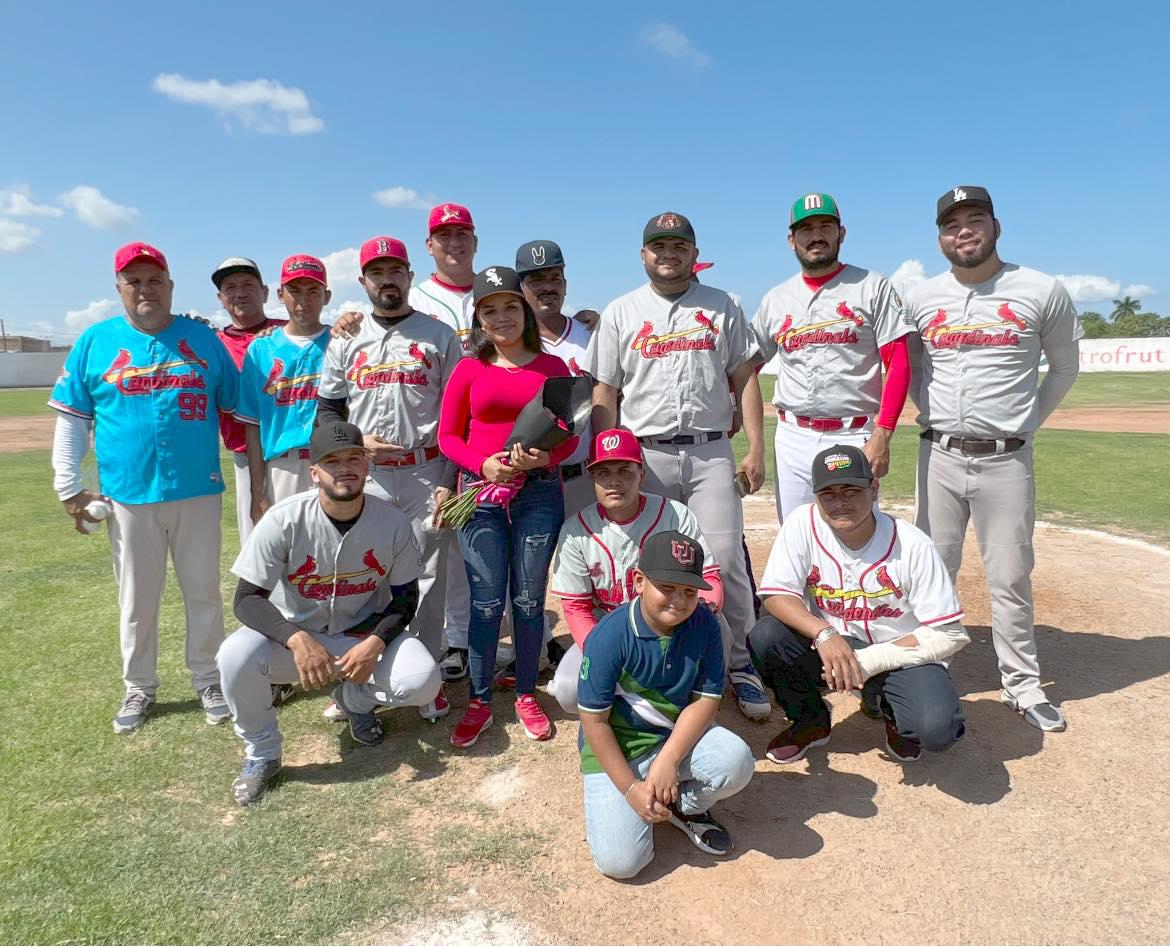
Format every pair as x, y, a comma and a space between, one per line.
511, 545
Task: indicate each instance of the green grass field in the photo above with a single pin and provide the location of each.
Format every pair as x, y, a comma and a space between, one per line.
24, 402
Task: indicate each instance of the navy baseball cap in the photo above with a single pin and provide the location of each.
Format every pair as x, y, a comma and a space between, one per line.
841, 464
675, 558
331, 437
538, 255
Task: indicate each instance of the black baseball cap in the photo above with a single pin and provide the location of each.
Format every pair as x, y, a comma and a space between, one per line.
332, 436
667, 224
958, 196
538, 255
673, 557
495, 279
841, 464
235, 264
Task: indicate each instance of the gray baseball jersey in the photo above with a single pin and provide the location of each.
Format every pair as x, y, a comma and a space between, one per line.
320, 580
981, 347
449, 304
828, 341
393, 379
671, 359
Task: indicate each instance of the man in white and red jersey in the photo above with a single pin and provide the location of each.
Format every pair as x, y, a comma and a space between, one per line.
843, 367
857, 599
242, 293
599, 548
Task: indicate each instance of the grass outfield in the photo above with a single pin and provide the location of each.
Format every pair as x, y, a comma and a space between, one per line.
24, 402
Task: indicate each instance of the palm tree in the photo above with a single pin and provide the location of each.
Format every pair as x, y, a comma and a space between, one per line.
1126, 307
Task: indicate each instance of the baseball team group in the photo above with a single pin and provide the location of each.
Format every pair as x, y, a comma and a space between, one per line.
350, 442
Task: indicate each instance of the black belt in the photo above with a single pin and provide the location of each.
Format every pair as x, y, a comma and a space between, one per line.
683, 438
975, 446
570, 471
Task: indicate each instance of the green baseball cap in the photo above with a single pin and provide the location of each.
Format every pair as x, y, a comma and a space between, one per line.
813, 205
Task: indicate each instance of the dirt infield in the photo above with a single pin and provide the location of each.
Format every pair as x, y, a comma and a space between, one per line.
1012, 836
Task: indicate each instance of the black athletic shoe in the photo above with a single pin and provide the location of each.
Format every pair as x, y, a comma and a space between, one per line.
253, 780
706, 834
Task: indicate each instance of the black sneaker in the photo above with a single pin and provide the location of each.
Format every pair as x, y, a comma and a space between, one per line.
253, 780
454, 664
282, 693
901, 748
365, 729
215, 706
706, 834
871, 703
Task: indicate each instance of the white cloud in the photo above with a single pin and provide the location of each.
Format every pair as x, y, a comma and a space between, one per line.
399, 196
908, 275
94, 209
672, 43
261, 105
1084, 289
330, 314
15, 236
343, 270
18, 202
78, 319
1139, 291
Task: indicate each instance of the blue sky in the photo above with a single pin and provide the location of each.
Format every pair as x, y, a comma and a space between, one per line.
573, 122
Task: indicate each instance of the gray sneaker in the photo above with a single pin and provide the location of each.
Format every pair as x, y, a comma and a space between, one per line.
1041, 716
365, 729
133, 712
253, 780
215, 706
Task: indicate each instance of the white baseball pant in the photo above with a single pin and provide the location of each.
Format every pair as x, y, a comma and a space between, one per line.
795, 449
243, 495
288, 474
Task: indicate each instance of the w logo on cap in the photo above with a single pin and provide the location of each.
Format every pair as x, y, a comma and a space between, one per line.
682, 552
610, 442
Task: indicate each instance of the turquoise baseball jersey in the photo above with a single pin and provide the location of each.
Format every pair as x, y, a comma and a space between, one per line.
278, 389
154, 401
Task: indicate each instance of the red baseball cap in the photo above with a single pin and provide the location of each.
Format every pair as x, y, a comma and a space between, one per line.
303, 266
615, 444
383, 248
138, 252
449, 215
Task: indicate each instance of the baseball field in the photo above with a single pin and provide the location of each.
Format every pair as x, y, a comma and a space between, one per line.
1013, 836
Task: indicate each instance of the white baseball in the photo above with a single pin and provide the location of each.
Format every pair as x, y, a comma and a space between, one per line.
99, 510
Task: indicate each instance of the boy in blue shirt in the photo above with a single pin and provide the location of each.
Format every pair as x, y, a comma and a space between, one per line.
651, 681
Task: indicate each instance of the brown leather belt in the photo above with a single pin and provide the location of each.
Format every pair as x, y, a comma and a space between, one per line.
975, 446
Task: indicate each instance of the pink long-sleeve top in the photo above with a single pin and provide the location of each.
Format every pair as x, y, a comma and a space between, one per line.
481, 403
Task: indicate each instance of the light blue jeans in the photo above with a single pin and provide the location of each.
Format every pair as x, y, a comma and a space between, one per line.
718, 767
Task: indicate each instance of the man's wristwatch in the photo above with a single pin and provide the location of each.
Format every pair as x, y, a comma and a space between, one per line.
824, 635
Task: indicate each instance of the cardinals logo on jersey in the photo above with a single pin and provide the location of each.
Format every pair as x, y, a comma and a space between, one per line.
311, 584
684, 340
287, 391
998, 332
790, 338
855, 604
366, 375
132, 379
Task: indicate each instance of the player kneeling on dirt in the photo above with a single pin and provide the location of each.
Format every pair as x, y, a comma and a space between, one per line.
858, 600
650, 685
328, 584
597, 552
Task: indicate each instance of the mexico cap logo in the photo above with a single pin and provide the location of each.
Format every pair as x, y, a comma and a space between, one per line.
838, 462
813, 202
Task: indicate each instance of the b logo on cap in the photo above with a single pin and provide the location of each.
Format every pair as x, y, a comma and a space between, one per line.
960, 194
667, 222
813, 202
683, 553
383, 246
538, 255
610, 442
493, 277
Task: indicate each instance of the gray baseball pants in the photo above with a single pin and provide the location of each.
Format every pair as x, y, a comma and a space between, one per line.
997, 492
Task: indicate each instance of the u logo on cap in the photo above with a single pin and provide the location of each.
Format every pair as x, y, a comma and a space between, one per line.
610, 442
683, 553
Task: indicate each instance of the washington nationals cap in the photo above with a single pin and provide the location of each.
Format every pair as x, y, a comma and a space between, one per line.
673, 557
138, 253
538, 255
382, 248
813, 205
303, 266
958, 196
615, 444
235, 264
841, 464
449, 215
332, 436
495, 279
668, 224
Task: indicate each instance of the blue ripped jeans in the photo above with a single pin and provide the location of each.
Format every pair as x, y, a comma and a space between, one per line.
497, 552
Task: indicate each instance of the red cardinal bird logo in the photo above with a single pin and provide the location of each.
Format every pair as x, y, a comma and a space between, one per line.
418, 353
706, 322
846, 313
309, 568
370, 561
884, 580
814, 577
784, 327
275, 374
189, 353
644, 333
1005, 313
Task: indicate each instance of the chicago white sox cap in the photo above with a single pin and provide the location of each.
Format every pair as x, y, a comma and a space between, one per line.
495, 279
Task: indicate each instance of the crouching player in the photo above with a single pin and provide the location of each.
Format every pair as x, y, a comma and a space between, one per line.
328, 584
650, 684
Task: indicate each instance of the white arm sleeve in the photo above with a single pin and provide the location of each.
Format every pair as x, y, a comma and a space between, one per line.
935, 643
70, 442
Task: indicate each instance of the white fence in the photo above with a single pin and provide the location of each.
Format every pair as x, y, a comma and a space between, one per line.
30, 369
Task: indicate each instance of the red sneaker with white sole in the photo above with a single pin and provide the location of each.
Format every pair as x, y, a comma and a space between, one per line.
476, 719
534, 720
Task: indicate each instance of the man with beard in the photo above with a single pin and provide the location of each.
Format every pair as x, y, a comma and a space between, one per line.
984, 326
835, 327
669, 348
328, 584
389, 379
242, 293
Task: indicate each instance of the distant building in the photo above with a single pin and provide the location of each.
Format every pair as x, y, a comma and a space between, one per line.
23, 343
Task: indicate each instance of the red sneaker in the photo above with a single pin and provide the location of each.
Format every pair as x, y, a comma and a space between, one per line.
477, 718
437, 709
534, 720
